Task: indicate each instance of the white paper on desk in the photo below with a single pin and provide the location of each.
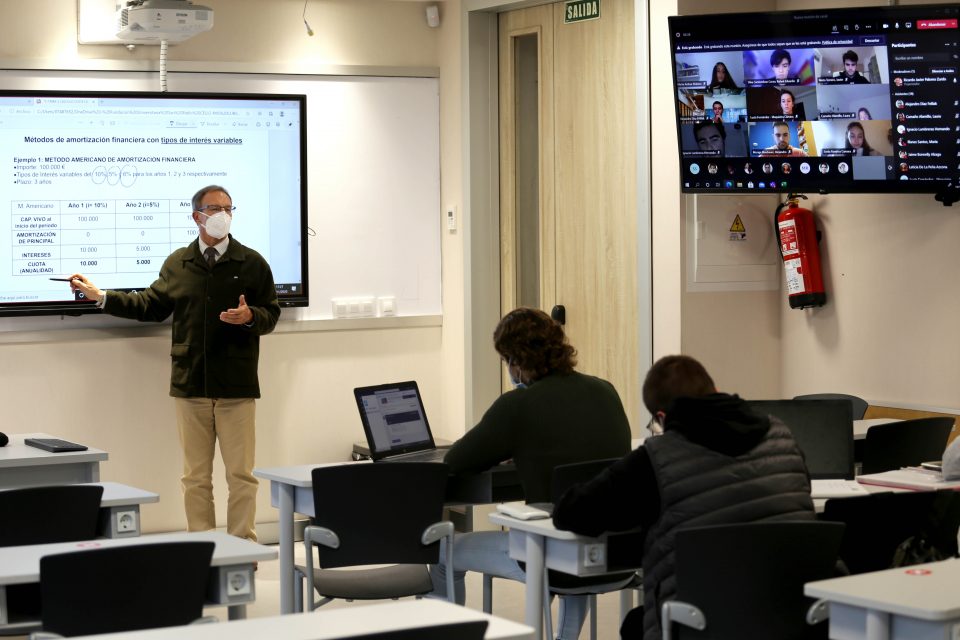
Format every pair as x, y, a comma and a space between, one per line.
836, 489
910, 478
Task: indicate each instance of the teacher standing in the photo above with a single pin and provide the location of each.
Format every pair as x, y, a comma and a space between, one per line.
222, 298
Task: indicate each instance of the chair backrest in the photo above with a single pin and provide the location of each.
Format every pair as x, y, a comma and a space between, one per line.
906, 443
748, 578
567, 475
140, 586
41, 515
823, 429
474, 630
877, 524
858, 405
379, 511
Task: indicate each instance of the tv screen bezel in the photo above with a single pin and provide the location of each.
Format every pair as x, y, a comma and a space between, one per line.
947, 192
80, 307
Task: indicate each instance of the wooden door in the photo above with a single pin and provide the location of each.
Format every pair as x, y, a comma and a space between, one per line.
575, 199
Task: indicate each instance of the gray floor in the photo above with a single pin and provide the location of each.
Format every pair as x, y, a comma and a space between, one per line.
508, 600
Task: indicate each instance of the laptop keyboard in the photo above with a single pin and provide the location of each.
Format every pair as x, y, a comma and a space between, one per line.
433, 455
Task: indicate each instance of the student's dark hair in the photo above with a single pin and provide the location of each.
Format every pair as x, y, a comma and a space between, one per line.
866, 111
717, 102
726, 83
787, 91
851, 55
778, 56
198, 196
535, 342
698, 126
867, 149
780, 123
673, 377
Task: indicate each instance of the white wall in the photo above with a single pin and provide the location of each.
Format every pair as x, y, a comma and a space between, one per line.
108, 387
888, 330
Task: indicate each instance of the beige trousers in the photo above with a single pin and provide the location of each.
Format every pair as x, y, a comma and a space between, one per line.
201, 423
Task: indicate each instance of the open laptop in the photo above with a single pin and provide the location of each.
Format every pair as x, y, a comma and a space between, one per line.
823, 430
395, 423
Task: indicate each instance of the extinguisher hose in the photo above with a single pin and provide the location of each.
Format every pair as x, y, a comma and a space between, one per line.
776, 225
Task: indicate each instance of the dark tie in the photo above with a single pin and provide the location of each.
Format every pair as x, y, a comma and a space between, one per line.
211, 255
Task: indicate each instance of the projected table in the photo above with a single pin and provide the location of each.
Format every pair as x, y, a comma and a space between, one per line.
124, 235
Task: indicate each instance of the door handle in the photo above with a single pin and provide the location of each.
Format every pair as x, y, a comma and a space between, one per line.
559, 314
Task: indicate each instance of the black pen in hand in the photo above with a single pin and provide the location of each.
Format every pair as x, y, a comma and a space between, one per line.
64, 279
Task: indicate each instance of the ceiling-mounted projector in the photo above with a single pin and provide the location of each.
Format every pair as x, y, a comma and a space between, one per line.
153, 21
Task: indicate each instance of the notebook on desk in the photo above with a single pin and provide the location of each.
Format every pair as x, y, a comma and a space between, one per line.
395, 423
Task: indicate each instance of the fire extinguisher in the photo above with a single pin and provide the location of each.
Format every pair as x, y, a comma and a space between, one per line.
797, 232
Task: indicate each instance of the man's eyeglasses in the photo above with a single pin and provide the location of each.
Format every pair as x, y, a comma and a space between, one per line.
211, 209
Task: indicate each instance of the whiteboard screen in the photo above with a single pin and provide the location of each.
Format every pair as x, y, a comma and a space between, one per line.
373, 177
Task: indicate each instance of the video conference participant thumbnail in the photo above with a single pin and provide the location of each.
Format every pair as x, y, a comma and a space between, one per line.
782, 103
856, 65
777, 139
713, 72
852, 138
708, 139
778, 67
853, 102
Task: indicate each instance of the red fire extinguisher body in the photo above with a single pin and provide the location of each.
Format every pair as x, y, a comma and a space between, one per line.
797, 232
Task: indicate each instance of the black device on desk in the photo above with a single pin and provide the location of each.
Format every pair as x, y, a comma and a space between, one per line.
55, 445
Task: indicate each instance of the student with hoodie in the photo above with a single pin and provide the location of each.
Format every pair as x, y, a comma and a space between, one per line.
716, 462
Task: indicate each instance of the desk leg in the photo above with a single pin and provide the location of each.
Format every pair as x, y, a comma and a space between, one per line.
237, 612
534, 605
878, 625
286, 548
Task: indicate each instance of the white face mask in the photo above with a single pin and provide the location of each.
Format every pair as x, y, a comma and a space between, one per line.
218, 225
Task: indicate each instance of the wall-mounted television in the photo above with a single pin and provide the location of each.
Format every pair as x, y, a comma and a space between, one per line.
833, 100
100, 183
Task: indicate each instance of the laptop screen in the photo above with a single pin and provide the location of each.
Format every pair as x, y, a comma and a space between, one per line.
394, 421
823, 430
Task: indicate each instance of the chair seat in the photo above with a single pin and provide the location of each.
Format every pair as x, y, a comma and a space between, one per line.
380, 583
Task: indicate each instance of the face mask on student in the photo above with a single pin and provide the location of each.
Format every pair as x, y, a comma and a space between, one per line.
218, 225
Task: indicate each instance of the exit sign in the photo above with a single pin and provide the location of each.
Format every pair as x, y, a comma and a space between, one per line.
580, 10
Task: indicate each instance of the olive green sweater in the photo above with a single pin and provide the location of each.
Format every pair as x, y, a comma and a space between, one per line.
559, 419
211, 359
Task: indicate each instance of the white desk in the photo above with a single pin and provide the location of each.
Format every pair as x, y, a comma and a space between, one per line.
911, 603
231, 579
120, 509
347, 622
291, 491
540, 544
860, 427
23, 466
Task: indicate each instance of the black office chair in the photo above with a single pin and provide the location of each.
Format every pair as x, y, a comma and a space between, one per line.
386, 513
879, 524
746, 580
906, 443
42, 515
562, 584
474, 630
858, 405
140, 586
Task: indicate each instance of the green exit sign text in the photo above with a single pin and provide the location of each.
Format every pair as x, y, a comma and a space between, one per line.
580, 10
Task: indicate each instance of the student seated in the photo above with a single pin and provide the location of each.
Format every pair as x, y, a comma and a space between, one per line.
716, 462
554, 416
